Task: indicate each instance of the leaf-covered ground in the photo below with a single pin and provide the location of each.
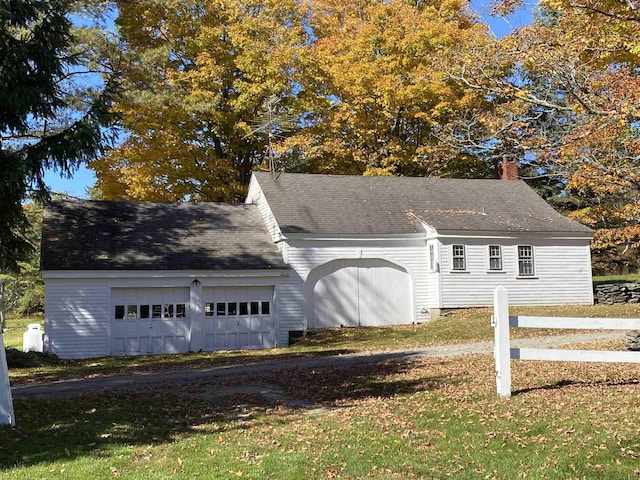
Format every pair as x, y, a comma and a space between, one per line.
431, 418
462, 326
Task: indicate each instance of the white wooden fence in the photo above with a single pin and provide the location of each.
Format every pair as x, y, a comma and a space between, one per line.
503, 353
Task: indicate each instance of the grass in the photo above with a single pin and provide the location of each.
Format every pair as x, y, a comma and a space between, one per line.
628, 278
432, 418
436, 418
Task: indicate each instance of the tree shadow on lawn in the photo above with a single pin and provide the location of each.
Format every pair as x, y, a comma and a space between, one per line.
561, 384
395, 375
96, 425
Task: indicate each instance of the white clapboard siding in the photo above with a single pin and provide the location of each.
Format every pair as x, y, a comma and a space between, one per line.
77, 318
562, 273
289, 308
433, 287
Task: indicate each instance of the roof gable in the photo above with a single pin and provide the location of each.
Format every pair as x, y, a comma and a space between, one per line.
359, 205
105, 235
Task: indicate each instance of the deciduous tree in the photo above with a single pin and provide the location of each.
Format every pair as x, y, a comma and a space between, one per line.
359, 88
565, 94
380, 68
198, 78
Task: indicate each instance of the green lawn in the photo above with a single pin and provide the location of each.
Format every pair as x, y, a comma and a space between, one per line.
628, 278
435, 418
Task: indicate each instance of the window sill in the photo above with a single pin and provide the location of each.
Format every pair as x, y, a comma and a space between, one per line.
526, 277
456, 272
494, 272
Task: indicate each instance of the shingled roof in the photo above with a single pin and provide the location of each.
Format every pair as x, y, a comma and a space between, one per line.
358, 205
102, 235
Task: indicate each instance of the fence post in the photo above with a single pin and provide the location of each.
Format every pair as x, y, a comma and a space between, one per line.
502, 349
6, 403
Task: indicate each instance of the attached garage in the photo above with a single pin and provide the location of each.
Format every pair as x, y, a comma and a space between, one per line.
138, 278
359, 292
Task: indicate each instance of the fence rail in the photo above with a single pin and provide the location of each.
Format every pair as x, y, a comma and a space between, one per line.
503, 353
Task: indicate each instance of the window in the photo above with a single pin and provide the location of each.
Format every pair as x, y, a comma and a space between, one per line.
221, 308
135, 312
458, 257
244, 308
525, 260
265, 308
255, 308
232, 308
495, 257
208, 309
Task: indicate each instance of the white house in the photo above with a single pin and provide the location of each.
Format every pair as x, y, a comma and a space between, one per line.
397, 250
307, 251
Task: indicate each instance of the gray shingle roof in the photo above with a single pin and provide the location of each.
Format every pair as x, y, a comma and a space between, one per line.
102, 235
357, 205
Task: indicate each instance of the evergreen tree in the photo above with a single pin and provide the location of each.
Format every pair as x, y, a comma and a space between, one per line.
54, 107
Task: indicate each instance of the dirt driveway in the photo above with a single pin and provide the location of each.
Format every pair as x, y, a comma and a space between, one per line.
254, 373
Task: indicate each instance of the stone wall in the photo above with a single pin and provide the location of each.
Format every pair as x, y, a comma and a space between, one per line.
619, 293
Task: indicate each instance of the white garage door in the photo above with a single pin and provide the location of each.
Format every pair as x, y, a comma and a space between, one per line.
361, 292
237, 317
149, 320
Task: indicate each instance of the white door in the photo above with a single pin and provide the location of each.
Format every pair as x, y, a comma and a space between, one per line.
149, 320
238, 317
361, 292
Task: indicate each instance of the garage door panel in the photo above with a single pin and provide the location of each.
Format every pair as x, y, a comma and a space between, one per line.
238, 319
156, 320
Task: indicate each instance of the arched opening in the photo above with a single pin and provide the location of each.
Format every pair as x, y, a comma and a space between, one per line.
358, 292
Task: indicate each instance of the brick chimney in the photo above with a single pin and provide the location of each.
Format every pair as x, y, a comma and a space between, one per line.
509, 169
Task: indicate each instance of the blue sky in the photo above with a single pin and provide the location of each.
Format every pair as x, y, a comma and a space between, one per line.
76, 186
84, 178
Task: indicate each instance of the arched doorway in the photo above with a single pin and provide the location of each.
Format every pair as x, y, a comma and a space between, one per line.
359, 292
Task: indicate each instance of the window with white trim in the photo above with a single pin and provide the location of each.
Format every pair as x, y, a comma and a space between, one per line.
495, 257
525, 261
458, 257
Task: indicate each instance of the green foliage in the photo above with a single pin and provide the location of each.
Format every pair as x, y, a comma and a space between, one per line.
48, 117
22, 293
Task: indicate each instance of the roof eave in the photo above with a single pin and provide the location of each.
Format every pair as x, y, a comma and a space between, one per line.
352, 237
588, 235
151, 274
